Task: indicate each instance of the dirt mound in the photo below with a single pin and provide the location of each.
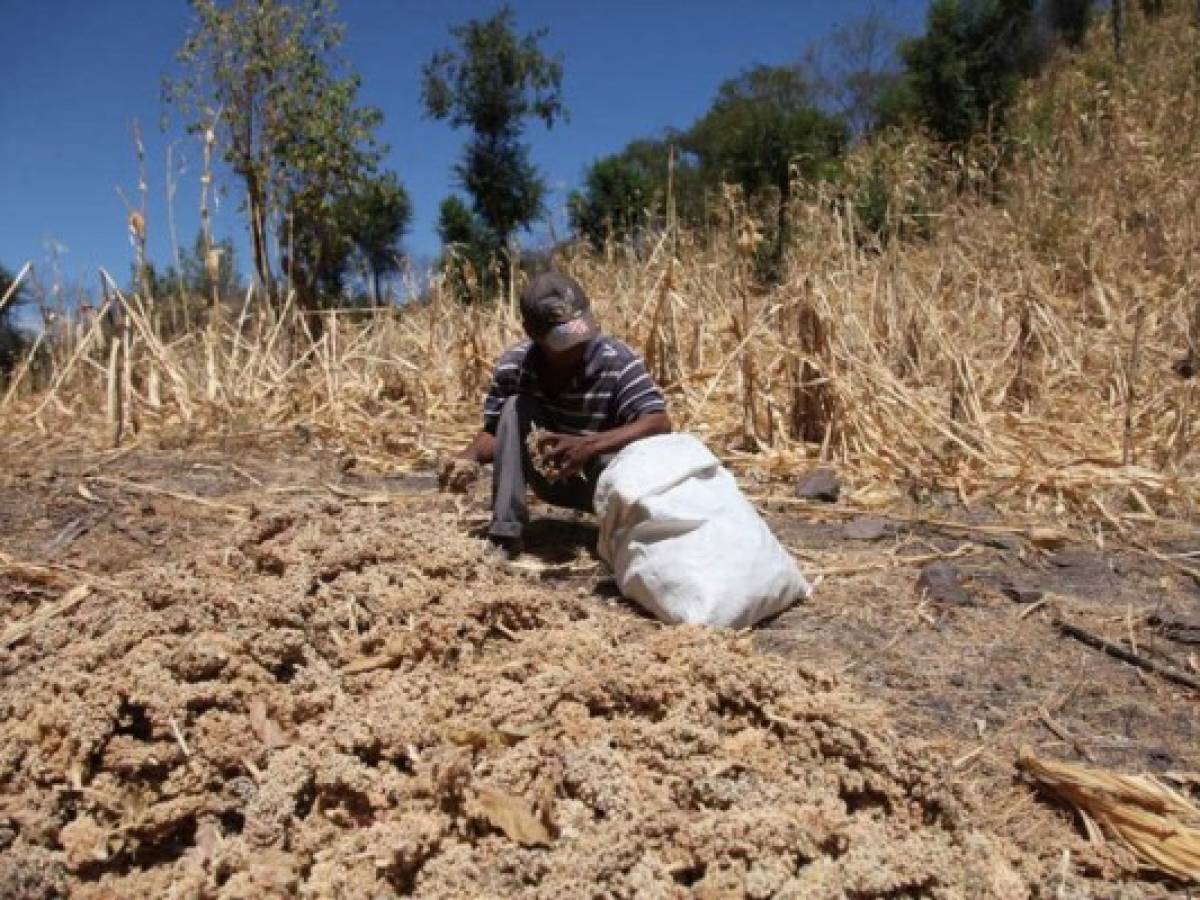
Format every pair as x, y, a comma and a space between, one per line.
354, 701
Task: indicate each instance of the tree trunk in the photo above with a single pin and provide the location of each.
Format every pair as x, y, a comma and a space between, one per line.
258, 236
783, 232
374, 284
1118, 27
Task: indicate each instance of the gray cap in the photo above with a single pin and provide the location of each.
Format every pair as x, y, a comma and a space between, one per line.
556, 312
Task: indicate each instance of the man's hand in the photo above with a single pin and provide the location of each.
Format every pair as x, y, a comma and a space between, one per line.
456, 474
570, 452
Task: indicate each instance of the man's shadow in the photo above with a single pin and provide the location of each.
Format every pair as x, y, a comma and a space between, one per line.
557, 541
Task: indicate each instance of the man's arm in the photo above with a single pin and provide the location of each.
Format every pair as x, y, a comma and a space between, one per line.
457, 473
504, 383
482, 448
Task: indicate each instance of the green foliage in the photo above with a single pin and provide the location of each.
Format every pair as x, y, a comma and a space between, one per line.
491, 83
465, 255
265, 75
457, 225
652, 157
612, 203
763, 127
764, 130
197, 280
375, 216
964, 72
185, 295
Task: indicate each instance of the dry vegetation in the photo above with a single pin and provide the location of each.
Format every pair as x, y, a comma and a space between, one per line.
1022, 354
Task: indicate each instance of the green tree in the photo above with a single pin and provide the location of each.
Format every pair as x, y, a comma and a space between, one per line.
457, 225
203, 270
465, 255
491, 83
671, 169
964, 71
761, 126
264, 79
613, 200
376, 216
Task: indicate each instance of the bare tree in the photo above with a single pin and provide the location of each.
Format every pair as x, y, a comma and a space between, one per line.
855, 67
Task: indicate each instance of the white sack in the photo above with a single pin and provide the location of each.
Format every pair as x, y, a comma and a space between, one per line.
685, 543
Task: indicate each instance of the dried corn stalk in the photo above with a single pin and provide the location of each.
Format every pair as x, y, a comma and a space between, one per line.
1159, 825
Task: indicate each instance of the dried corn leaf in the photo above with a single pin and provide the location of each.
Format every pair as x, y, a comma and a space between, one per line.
18, 631
265, 727
1160, 825
514, 816
390, 657
513, 734
1047, 538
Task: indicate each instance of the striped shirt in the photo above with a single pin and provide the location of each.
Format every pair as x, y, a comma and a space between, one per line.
613, 389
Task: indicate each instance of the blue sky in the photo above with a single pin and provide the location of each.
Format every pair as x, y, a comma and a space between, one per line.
76, 73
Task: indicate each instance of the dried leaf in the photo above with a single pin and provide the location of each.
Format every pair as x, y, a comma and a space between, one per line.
514, 734
1047, 538
265, 727
476, 738
389, 658
514, 816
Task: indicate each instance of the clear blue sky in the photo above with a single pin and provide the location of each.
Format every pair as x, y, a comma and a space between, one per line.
76, 73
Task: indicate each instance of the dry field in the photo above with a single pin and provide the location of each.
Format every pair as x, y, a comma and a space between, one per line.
247, 650
276, 677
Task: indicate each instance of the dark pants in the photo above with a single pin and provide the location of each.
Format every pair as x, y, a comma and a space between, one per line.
512, 471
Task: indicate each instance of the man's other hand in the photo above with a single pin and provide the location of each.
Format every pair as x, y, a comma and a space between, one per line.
572, 452
456, 474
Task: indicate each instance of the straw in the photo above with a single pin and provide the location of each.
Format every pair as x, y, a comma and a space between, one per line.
1157, 823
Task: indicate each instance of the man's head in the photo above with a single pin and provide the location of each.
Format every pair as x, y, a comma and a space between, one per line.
556, 313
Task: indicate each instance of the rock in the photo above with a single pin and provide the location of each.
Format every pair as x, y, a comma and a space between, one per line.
943, 583
868, 529
1019, 591
819, 484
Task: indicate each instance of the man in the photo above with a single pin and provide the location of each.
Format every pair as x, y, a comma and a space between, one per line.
589, 391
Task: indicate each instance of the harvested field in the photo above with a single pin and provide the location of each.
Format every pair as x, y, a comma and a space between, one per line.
316, 688
246, 650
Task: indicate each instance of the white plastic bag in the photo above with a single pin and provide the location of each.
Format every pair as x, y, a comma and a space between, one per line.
685, 543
